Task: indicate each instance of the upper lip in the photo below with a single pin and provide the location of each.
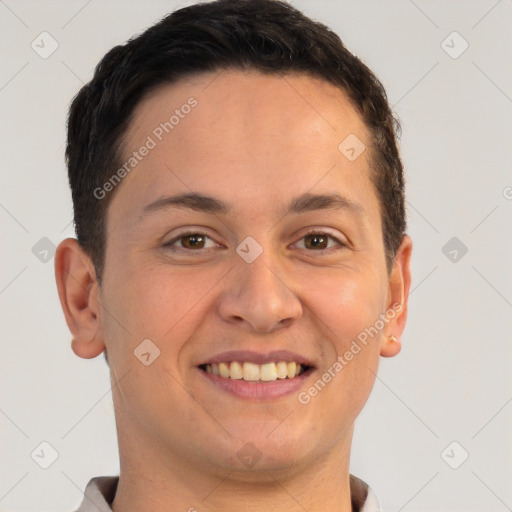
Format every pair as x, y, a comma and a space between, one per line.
258, 357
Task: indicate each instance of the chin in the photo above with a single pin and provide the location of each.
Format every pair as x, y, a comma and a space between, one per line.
251, 456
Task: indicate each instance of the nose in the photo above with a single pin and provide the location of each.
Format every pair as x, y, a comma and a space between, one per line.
259, 295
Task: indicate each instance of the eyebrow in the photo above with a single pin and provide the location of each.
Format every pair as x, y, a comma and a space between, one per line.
208, 204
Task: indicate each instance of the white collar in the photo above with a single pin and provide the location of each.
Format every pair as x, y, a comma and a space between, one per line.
100, 492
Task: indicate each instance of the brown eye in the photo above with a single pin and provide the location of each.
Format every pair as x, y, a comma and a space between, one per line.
193, 241
316, 241
320, 241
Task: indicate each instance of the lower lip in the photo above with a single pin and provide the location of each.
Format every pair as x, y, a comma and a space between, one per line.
257, 390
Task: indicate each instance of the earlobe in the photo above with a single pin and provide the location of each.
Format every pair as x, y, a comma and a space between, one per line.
397, 303
390, 347
79, 298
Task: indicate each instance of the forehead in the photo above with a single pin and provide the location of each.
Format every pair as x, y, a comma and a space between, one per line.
292, 107
259, 134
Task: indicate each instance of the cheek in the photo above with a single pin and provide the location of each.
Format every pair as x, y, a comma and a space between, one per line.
164, 307
159, 303
347, 306
347, 302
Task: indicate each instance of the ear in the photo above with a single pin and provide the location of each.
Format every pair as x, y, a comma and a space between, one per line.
79, 297
398, 294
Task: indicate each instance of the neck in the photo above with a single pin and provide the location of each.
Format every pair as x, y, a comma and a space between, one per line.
152, 479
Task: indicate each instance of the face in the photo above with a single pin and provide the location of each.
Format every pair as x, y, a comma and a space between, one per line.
251, 287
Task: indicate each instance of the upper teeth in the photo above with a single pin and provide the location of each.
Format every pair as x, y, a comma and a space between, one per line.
251, 371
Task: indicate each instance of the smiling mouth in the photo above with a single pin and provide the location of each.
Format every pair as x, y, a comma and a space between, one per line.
252, 372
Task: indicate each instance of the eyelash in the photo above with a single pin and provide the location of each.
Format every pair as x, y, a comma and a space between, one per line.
169, 245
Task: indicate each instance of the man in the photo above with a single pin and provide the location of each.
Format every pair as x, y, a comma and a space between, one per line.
241, 257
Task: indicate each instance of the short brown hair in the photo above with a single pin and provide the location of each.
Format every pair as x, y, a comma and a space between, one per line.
266, 35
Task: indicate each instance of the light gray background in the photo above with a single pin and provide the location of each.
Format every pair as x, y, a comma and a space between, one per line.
452, 381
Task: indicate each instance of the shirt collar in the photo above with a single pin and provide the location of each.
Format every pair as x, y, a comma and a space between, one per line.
100, 492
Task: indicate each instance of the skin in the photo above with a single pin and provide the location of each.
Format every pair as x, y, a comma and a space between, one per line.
255, 141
